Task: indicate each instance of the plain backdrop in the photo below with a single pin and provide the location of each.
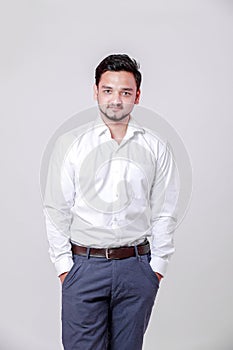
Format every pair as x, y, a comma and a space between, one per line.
49, 50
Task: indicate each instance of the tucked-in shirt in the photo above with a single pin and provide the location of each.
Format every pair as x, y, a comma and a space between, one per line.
102, 194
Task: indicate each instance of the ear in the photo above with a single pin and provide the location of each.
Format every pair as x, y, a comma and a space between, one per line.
95, 90
138, 93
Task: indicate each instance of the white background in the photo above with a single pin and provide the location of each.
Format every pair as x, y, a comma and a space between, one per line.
49, 50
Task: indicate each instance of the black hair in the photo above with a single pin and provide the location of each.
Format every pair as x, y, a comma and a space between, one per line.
116, 63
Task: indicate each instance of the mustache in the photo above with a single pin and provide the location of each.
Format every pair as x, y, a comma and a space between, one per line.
115, 105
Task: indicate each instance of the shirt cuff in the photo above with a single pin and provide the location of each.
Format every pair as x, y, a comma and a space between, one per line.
64, 265
159, 265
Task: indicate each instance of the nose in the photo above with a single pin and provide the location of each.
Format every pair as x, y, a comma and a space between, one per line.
116, 99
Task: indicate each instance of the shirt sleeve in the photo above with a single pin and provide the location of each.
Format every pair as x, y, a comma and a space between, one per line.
163, 200
58, 201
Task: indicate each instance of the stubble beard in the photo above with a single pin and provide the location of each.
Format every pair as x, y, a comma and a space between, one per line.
113, 117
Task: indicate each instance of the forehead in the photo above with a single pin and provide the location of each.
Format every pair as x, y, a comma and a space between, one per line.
121, 78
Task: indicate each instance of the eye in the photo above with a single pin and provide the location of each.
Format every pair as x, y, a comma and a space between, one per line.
126, 93
107, 91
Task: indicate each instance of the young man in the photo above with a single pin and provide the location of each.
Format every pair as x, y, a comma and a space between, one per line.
111, 184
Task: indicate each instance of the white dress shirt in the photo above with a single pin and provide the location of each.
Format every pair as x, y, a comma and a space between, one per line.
103, 194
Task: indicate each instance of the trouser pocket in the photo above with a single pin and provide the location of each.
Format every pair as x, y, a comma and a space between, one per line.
147, 269
72, 274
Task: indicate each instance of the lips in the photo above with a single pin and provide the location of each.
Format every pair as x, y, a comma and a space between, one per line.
114, 108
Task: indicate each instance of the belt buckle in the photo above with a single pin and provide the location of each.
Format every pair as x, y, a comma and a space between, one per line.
106, 253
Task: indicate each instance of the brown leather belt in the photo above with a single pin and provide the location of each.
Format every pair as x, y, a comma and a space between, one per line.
112, 253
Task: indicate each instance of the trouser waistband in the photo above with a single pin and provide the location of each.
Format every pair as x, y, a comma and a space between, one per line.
113, 253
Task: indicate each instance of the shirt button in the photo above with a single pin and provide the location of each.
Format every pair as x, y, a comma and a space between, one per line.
114, 225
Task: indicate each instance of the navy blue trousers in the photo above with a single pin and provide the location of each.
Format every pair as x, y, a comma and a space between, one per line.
106, 304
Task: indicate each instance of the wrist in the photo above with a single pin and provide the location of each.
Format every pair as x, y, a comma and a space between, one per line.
159, 276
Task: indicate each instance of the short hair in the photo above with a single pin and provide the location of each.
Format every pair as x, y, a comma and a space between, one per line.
117, 63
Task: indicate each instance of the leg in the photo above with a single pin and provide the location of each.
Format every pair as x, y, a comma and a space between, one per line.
135, 289
85, 305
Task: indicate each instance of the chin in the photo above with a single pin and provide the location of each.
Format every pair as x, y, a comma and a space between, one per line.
118, 118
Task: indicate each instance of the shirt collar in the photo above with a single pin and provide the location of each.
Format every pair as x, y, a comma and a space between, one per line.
100, 127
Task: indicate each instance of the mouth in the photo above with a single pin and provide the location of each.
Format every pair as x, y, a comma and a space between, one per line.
115, 109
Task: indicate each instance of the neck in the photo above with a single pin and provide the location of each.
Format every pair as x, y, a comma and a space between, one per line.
117, 128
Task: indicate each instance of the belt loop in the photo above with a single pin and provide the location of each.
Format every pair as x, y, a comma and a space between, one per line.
136, 252
88, 253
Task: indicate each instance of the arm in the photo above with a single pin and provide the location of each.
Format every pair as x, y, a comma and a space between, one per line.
58, 201
163, 199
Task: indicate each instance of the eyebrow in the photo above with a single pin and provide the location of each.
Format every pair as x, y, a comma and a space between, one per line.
109, 87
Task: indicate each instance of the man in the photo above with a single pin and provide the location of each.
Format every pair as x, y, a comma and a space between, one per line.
111, 184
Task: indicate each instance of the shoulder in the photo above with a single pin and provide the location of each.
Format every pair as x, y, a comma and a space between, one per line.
154, 136
157, 144
66, 140
151, 136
